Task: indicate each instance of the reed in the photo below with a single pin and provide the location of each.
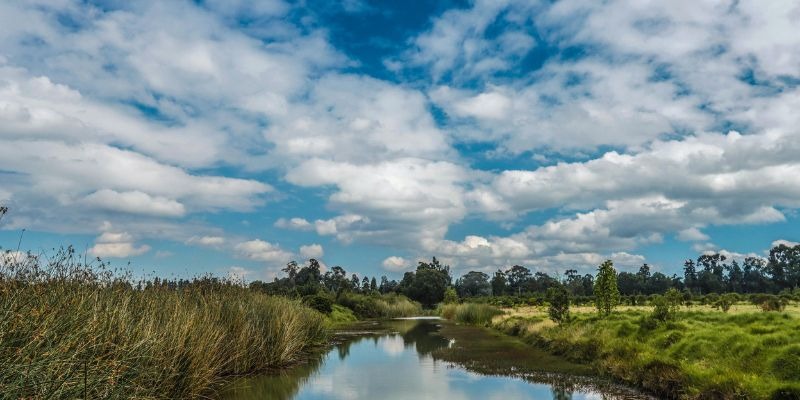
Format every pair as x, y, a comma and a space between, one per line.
469, 313
73, 330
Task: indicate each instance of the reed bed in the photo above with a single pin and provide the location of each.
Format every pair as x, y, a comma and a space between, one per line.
469, 313
71, 330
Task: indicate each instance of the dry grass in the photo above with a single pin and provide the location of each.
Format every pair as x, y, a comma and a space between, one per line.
68, 331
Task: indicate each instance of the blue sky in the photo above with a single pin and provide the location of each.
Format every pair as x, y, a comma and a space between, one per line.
231, 137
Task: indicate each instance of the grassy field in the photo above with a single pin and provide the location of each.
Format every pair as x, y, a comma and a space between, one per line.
67, 331
701, 354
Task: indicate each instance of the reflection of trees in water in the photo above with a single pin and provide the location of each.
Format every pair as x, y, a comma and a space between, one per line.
560, 393
343, 349
423, 335
282, 386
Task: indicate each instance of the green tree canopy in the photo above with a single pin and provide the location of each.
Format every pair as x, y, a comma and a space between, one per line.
606, 294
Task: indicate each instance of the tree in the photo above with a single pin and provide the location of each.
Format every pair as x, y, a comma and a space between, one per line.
354, 283
384, 287
606, 294
473, 284
428, 284
373, 285
291, 270
517, 276
689, 275
365, 285
499, 283
558, 300
450, 296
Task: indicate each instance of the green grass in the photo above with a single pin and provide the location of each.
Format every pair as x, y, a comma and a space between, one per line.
67, 331
339, 316
469, 313
698, 355
379, 306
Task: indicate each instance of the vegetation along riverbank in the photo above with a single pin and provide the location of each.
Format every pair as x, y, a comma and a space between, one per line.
676, 345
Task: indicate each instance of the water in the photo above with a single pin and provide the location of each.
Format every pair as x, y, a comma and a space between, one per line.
392, 363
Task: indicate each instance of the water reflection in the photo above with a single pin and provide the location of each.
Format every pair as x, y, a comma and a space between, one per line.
395, 364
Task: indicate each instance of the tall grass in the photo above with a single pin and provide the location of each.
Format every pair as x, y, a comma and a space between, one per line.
379, 306
700, 355
68, 330
469, 313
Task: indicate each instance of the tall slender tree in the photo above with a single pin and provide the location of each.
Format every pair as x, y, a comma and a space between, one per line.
606, 294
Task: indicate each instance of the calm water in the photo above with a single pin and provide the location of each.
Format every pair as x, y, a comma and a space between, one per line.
393, 364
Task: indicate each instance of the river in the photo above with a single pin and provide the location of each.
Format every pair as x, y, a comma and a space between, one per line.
394, 360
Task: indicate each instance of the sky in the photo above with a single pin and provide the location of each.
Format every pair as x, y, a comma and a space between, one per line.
181, 138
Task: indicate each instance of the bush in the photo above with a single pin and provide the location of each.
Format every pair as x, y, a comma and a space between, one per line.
321, 303
769, 302
725, 301
450, 296
558, 310
666, 307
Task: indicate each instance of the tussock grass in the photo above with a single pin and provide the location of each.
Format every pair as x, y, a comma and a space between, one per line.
469, 313
379, 306
68, 330
701, 354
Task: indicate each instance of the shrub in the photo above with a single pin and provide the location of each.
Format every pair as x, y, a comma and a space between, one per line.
321, 303
666, 307
725, 301
770, 303
450, 296
558, 310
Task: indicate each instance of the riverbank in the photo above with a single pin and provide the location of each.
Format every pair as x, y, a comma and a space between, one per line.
71, 331
698, 355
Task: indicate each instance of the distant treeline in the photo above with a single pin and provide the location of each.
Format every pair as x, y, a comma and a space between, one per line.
708, 274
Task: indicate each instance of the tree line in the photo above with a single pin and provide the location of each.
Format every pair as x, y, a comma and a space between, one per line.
429, 283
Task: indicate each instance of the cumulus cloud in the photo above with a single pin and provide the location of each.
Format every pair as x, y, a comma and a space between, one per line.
788, 243
692, 235
311, 251
396, 194
128, 114
112, 244
260, 250
395, 264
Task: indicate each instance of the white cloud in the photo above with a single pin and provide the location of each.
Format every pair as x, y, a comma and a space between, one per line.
112, 244
395, 264
299, 224
692, 235
207, 241
260, 250
239, 274
135, 202
311, 251
395, 195
788, 243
